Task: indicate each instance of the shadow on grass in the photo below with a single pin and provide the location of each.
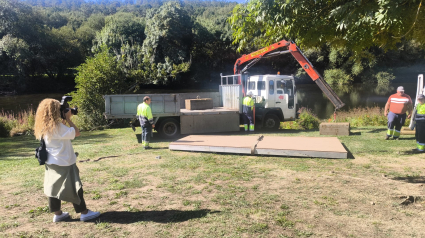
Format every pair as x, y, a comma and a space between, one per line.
92, 139
411, 152
18, 148
22, 147
410, 179
377, 130
349, 154
166, 216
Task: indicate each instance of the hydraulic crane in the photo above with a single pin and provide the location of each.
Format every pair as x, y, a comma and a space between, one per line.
270, 51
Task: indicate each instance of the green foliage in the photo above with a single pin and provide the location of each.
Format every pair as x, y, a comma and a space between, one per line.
13, 124
358, 117
38, 211
168, 41
384, 78
337, 77
306, 121
357, 25
120, 29
6, 126
98, 76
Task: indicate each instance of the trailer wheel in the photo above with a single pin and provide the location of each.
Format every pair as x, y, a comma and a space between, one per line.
169, 128
271, 122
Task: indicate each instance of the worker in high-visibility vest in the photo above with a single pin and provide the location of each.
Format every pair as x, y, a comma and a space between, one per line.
420, 124
144, 113
247, 109
397, 105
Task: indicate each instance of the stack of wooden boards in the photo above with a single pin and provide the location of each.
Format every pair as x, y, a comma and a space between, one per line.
316, 147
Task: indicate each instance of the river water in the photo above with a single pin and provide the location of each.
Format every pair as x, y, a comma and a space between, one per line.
309, 95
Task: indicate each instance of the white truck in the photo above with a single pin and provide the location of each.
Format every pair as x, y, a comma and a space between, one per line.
275, 97
274, 94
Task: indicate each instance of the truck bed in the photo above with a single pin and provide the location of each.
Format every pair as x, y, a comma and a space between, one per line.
214, 111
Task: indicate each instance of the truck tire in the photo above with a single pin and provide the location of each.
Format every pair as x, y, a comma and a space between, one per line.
271, 122
169, 128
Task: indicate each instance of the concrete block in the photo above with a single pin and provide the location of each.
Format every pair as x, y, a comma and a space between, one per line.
199, 104
335, 129
406, 131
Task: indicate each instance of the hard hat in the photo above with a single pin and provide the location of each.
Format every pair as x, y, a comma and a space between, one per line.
249, 94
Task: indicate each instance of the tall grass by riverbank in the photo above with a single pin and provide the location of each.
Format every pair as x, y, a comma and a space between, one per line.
359, 117
12, 124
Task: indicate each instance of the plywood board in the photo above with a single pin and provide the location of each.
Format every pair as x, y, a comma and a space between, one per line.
318, 147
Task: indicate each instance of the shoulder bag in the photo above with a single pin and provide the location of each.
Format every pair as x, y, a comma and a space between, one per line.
41, 152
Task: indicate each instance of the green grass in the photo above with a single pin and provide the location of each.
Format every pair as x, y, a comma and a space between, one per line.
190, 194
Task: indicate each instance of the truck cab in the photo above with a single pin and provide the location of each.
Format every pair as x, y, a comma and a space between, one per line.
275, 99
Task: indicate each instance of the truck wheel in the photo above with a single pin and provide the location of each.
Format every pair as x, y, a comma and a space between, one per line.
169, 128
271, 122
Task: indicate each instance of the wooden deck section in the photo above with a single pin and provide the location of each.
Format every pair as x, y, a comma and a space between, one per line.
313, 147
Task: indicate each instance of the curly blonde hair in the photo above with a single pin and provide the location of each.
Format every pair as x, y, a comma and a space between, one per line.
47, 118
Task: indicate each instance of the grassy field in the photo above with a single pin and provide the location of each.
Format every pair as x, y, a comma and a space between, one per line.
377, 192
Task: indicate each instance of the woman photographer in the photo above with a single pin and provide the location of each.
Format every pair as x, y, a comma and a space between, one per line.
61, 179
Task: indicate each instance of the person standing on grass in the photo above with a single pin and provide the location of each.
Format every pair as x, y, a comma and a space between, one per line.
248, 109
62, 177
420, 124
144, 113
398, 104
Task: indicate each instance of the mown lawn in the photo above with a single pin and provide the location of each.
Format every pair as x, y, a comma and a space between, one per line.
377, 192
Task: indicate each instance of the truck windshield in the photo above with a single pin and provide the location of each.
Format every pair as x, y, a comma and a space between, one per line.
261, 85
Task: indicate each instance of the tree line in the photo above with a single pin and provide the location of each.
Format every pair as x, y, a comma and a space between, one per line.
159, 42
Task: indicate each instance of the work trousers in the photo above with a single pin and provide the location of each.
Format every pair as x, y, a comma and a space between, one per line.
55, 204
395, 122
146, 133
420, 134
248, 120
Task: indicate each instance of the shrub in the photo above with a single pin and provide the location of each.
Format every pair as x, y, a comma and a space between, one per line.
5, 126
14, 124
337, 77
306, 121
96, 77
384, 78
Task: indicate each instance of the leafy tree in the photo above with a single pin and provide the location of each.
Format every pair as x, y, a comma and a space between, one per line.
356, 25
99, 75
120, 29
168, 40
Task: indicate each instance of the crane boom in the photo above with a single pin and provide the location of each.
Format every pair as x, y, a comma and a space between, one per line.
292, 48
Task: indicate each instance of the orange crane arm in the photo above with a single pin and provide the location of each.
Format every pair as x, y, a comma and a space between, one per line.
292, 48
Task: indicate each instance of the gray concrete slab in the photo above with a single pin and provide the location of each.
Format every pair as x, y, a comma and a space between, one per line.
315, 147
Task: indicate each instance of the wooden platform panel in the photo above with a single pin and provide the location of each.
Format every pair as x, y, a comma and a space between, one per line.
316, 147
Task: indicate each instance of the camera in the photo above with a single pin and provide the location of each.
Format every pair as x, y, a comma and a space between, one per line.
65, 107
